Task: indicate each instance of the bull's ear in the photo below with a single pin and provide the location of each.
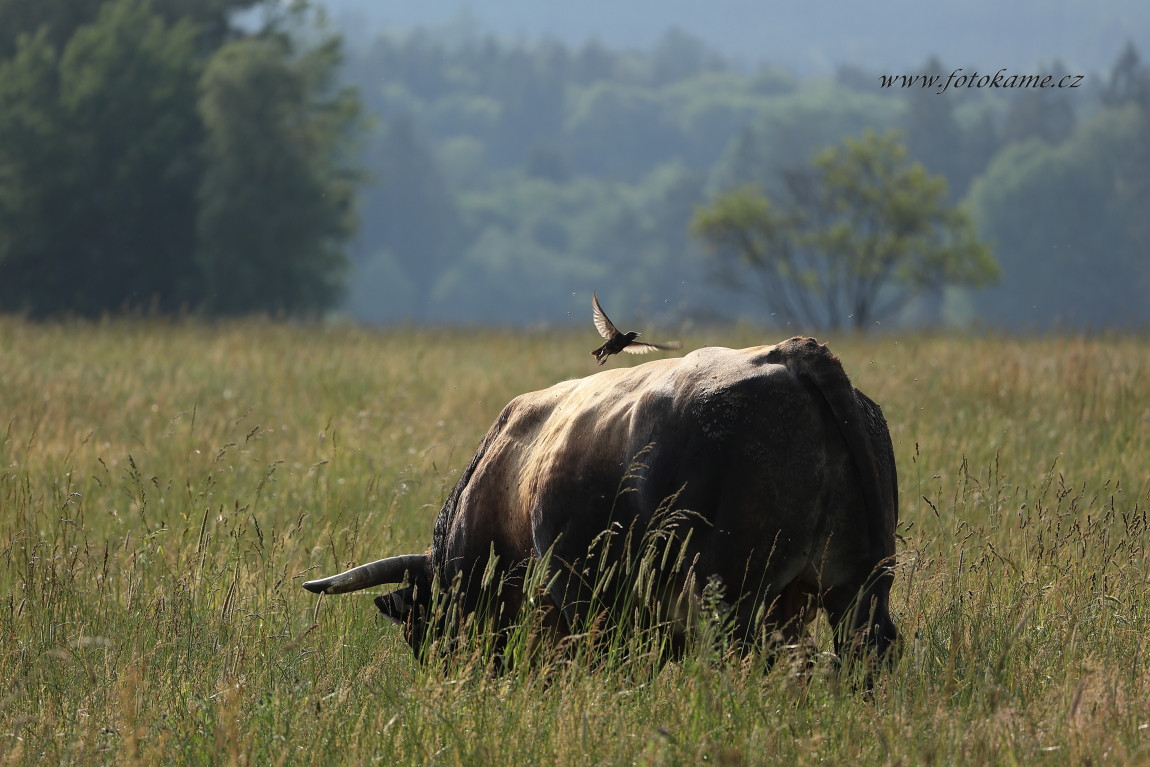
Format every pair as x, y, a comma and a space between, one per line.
397, 605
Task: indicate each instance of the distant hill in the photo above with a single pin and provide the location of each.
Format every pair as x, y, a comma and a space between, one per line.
885, 35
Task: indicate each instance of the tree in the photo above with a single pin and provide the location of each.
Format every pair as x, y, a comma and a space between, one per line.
54, 21
414, 218
1070, 227
933, 137
144, 166
679, 55
858, 235
1128, 81
58, 20
276, 198
98, 166
1041, 112
980, 143
1129, 86
796, 125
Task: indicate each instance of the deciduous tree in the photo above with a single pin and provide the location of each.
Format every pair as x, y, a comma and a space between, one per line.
98, 166
143, 166
855, 238
275, 201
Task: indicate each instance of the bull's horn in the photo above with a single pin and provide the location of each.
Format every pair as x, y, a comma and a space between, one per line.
389, 570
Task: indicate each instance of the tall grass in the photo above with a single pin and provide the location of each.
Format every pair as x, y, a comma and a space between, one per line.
165, 488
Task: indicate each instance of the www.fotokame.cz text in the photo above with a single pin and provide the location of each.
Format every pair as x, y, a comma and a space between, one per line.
974, 80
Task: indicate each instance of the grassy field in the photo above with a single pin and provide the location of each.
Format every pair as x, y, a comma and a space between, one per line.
165, 488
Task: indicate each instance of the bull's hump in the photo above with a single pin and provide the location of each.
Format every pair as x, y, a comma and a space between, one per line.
795, 351
708, 374
713, 370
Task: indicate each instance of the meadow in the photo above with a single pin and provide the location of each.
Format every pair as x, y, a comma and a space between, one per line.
165, 488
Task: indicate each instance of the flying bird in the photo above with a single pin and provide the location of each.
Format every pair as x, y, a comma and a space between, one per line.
619, 342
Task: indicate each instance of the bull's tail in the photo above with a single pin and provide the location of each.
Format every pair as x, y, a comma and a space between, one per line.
857, 418
862, 426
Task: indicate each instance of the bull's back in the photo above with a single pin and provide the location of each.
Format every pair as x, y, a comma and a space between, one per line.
748, 446
701, 428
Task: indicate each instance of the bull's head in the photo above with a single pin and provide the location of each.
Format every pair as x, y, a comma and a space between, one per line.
407, 606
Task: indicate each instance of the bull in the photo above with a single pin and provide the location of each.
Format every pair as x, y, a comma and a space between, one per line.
783, 471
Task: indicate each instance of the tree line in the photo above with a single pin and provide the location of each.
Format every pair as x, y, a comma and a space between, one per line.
155, 156
508, 176
159, 155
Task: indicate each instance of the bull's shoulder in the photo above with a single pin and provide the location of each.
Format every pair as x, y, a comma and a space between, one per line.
527, 414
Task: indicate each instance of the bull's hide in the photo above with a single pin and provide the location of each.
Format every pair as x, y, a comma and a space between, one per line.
782, 473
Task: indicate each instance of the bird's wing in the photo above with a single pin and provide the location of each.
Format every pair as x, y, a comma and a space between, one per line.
640, 347
602, 324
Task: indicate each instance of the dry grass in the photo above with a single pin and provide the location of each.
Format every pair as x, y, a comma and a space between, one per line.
164, 489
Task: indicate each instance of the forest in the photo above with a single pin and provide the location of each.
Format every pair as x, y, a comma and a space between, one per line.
242, 157
157, 157
509, 179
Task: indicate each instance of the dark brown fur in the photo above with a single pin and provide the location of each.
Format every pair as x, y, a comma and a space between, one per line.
785, 470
